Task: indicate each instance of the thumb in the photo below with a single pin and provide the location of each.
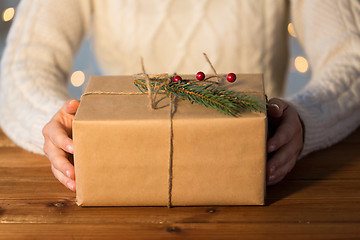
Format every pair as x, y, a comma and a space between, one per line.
276, 107
71, 106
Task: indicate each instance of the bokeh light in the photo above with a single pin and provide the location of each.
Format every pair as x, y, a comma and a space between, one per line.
77, 78
291, 30
301, 64
8, 14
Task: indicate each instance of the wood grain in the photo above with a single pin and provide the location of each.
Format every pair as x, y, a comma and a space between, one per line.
319, 199
292, 231
5, 141
64, 210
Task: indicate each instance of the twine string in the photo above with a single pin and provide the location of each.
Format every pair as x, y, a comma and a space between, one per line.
148, 84
219, 79
111, 93
171, 150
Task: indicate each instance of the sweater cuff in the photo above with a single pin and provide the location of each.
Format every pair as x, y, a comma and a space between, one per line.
25, 127
320, 129
310, 129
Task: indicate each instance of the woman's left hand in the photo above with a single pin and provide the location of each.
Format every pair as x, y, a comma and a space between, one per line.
285, 142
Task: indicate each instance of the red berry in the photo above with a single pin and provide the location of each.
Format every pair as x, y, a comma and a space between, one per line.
177, 79
231, 77
200, 76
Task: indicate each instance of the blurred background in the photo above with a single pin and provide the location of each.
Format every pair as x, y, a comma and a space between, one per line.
85, 64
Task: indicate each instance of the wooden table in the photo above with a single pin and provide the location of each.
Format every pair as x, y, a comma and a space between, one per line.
320, 199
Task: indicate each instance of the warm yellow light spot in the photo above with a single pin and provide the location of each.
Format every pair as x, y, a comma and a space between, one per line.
8, 14
77, 78
301, 64
291, 30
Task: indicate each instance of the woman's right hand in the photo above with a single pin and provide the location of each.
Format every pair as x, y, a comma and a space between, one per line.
58, 145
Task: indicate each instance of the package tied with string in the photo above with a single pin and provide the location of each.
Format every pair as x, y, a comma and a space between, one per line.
179, 154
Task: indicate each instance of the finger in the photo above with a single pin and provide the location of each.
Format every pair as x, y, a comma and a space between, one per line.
275, 165
67, 113
278, 159
275, 110
281, 172
69, 183
276, 107
71, 106
58, 159
59, 137
289, 127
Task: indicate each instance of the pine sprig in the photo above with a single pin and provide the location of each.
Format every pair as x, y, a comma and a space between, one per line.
210, 95
206, 94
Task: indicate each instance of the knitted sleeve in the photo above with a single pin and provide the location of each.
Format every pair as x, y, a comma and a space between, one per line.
330, 105
37, 60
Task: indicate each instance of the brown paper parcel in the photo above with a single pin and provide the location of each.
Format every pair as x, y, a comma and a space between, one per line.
122, 149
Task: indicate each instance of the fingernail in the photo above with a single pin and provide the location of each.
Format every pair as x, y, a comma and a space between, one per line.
271, 148
68, 173
70, 186
71, 101
69, 148
275, 106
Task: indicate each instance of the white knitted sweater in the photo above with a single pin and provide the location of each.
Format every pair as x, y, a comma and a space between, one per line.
239, 36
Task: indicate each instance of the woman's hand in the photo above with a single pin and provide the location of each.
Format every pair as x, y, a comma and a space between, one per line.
58, 144
285, 142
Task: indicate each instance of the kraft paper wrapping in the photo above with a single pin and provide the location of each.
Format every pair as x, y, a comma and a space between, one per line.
122, 150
